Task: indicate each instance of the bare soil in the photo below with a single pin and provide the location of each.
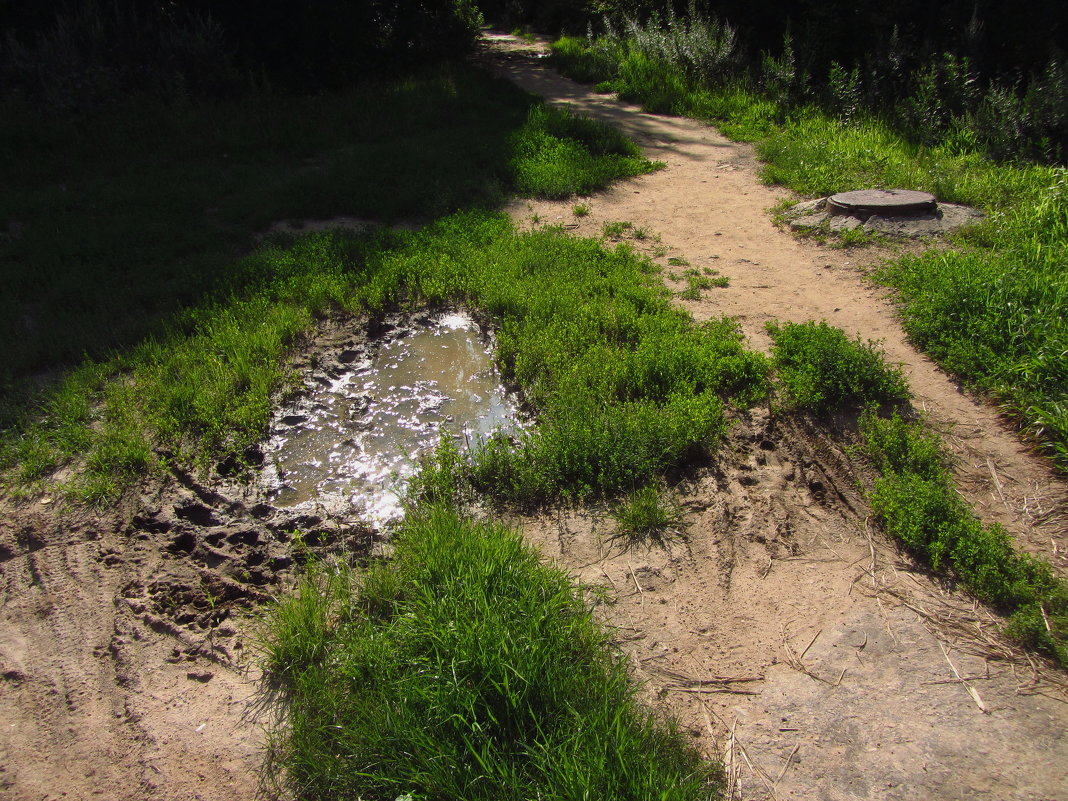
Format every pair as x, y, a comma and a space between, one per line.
788, 636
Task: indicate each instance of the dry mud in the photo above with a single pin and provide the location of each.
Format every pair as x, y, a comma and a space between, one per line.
787, 635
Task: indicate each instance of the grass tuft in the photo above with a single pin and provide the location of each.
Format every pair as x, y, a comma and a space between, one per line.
646, 516
461, 668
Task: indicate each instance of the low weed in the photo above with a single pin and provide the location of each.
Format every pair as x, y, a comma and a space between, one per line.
646, 516
821, 370
917, 502
616, 230
580, 210
461, 668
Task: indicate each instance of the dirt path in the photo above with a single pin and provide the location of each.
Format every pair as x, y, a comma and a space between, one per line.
782, 618
102, 695
710, 208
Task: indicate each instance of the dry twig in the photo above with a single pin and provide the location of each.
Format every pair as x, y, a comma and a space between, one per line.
637, 586
971, 690
789, 759
795, 661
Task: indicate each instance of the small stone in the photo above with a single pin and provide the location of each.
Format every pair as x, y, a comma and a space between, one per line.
808, 221
202, 676
844, 223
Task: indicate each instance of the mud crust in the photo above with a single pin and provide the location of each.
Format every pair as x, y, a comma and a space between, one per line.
125, 639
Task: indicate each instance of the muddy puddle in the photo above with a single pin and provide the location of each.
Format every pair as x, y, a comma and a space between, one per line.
369, 412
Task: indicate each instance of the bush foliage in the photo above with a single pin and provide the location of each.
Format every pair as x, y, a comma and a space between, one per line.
915, 498
821, 370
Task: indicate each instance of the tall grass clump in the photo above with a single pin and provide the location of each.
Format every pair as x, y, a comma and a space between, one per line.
916, 500
462, 668
821, 370
557, 154
647, 515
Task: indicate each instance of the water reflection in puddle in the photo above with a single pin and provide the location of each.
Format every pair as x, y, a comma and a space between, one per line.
355, 440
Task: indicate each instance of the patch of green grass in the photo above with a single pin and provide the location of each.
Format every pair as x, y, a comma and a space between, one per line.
616, 230
625, 385
125, 240
462, 668
917, 502
821, 370
557, 154
647, 515
580, 210
113, 223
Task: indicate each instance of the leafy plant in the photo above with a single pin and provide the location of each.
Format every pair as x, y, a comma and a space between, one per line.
821, 370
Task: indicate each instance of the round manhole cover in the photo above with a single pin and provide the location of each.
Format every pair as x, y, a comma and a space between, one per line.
884, 202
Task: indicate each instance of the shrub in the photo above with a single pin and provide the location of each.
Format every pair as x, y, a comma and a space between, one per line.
822, 370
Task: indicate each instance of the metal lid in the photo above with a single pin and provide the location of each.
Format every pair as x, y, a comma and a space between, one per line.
884, 202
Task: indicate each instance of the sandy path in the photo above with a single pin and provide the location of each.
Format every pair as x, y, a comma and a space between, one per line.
780, 578
710, 208
98, 699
